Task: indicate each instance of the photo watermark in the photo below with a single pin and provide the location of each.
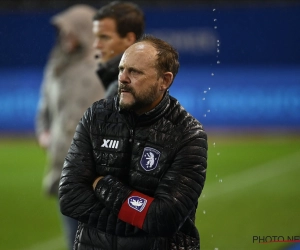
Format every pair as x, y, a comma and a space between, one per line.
274, 239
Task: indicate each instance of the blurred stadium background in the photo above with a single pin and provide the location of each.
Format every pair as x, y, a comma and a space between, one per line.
239, 75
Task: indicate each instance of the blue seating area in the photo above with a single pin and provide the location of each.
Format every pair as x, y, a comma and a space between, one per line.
239, 65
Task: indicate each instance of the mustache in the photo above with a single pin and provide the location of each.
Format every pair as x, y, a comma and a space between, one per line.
125, 88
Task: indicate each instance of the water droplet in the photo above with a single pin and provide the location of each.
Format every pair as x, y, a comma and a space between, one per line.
218, 41
214, 144
218, 62
220, 180
215, 27
203, 195
218, 51
208, 110
218, 154
212, 74
203, 98
208, 88
216, 248
204, 211
212, 235
216, 175
215, 20
204, 91
218, 45
204, 115
214, 9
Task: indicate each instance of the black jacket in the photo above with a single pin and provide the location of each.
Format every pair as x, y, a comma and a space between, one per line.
108, 73
155, 161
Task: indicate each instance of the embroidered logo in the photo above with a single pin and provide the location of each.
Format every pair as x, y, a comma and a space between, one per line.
137, 203
110, 144
149, 159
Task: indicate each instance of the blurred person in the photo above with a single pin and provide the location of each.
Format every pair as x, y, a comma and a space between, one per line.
116, 26
137, 163
69, 87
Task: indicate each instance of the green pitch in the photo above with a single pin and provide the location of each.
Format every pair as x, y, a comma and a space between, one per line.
252, 190
29, 220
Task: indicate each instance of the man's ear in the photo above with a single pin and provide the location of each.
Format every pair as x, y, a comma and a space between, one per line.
130, 38
167, 80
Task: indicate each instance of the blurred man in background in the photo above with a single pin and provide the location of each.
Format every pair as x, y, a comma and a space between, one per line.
69, 87
116, 26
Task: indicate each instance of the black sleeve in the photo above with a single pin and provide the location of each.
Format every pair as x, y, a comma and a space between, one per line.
76, 194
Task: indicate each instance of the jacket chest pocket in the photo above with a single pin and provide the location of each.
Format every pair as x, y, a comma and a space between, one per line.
148, 166
111, 156
116, 164
107, 159
151, 159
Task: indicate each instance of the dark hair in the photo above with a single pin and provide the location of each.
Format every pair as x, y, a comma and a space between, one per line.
128, 16
167, 56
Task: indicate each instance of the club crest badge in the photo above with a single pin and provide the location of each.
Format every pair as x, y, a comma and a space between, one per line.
137, 203
149, 159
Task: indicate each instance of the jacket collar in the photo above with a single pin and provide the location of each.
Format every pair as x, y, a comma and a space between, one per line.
109, 71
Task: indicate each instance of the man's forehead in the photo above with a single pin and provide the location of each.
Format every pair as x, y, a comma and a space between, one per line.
141, 46
145, 50
105, 23
139, 59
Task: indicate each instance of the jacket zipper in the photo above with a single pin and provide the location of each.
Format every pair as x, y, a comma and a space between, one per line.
131, 135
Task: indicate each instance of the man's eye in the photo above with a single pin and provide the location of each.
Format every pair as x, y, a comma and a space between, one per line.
104, 38
133, 71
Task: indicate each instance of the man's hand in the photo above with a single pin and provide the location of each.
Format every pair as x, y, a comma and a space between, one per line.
96, 181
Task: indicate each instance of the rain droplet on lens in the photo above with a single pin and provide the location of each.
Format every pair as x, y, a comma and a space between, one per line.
204, 115
215, 27
203, 98
214, 9
215, 20
212, 74
218, 62
208, 110
220, 180
208, 88
204, 91
214, 144
204, 211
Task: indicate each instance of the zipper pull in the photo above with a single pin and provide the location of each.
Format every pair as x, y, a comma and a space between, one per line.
131, 135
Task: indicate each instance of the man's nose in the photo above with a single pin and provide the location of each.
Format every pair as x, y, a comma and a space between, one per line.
97, 44
123, 77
